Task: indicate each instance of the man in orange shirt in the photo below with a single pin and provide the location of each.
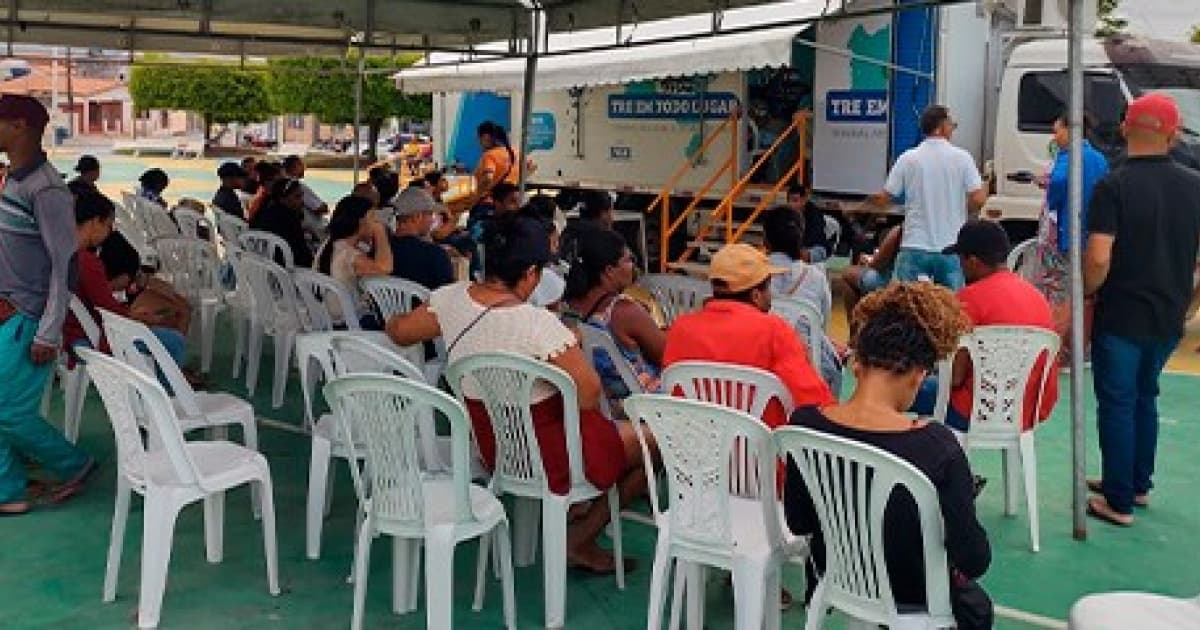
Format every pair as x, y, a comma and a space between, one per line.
736, 326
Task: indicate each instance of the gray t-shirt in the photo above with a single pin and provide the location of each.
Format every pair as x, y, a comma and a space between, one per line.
37, 246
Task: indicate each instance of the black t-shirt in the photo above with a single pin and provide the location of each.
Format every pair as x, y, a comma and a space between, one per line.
814, 228
421, 261
933, 450
227, 200
287, 224
1151, 205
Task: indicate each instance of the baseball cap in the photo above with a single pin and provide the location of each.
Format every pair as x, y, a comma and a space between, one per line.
741, 267
87, 163
1156, 112
26, 108
231, 169
985, 240
414, 201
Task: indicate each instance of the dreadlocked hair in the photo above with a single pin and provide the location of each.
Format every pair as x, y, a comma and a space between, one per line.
907, 326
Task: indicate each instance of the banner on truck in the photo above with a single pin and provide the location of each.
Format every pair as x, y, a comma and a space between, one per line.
661, 106
850, 134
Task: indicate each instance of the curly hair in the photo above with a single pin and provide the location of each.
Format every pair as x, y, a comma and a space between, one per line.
907, 326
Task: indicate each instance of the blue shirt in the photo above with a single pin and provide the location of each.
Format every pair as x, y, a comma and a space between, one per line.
1095, 167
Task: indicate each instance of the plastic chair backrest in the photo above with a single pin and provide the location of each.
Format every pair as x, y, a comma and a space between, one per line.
1002, 362
505, 382
850, 484
833, 233
134, 343
676, 294
596, 340
157, 220
268, 246
125, 390
383, 413
698, 442
318, 293
1021, 258
393, 296
272, 292
193, 266
91, 329
230, 228
806, 320
192, 223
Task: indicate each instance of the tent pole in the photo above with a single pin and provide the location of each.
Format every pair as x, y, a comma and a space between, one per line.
1075, 193
527, 97
358, 90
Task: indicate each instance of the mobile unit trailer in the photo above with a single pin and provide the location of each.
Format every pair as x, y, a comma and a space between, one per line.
719, 125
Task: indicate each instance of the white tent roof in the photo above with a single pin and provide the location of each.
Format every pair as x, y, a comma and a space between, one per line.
706, 54
311, 26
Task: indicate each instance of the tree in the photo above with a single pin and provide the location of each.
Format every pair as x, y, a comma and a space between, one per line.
221, 94
1108, 23
324, 86
1196, 34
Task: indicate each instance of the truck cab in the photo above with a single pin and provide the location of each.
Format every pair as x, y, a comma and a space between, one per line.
1034, 90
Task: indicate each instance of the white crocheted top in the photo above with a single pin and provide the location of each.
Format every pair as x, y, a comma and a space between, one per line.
523, 329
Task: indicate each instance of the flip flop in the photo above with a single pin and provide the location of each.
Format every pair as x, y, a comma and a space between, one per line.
1106, 516
14, 508
1139, 500
74, 485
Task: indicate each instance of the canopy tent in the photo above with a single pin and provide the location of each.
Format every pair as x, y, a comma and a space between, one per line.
316, 26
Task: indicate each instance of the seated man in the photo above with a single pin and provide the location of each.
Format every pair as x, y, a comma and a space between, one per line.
994, 296
414, 256
817, 247
873, 272
736, 326
233, 180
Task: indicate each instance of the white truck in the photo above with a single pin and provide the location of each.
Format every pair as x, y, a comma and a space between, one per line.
627, 119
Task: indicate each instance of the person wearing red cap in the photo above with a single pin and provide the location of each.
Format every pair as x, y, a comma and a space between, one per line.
37, 249
1143, 237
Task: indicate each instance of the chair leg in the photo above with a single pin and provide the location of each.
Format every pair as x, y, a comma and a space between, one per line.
504, 546
214, 527
74, 391
270, 545
402, 549
439, 579
1012, 479
158, 531
614, 515
318, 477
658, 584
414, 575
678, 592
697, 591
362, 556
253, 356
817, 612
116, 540
1028, 455
554, 559
749, 599
485, 544
283, 362
239, 343
250, 438
208, 331
773, 616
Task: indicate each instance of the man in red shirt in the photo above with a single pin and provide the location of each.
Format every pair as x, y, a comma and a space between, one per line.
995, 296
736, 326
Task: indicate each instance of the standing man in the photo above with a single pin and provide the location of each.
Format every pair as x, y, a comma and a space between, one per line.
1143, 236
88, 168
37, 248
817, 247
938, 183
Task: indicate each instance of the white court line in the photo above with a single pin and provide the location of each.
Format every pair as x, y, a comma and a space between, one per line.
1001, 611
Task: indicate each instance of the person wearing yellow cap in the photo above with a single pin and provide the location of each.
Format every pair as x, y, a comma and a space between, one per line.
736, 326
1143, 237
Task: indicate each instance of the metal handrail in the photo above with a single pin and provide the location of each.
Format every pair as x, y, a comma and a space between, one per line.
689, 164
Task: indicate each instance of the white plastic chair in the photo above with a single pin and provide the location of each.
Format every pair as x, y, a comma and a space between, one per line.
598, 340
157, 220
274, 312
707, 523
394, 296
676, 294
806, 320
170, 477
1021, 258
346, 353
327, 304
230, 228
74, 380
267, 245
850, 484
195, 272
1002, 363
1144, 611
505, 382
132, 226
833, 234
192, 224
401, 500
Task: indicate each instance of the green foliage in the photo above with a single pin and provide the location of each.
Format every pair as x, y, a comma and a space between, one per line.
221, 93
325, 86
1196, 34
1108, 23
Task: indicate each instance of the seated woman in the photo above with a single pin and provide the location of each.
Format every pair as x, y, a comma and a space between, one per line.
783, 230
152, 184
353, 226
282, 214
493, 316
114, 271
601, 268
898, 335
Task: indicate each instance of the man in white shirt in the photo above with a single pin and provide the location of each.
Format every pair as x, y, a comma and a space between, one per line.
938, 184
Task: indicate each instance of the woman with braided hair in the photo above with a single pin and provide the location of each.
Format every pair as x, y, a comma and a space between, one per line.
897, 336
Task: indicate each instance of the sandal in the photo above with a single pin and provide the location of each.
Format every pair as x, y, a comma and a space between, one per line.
1139, 500
74, 485
630, 565
14, 508
1097, 507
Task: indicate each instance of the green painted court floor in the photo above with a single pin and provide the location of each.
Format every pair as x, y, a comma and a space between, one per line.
52, 561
